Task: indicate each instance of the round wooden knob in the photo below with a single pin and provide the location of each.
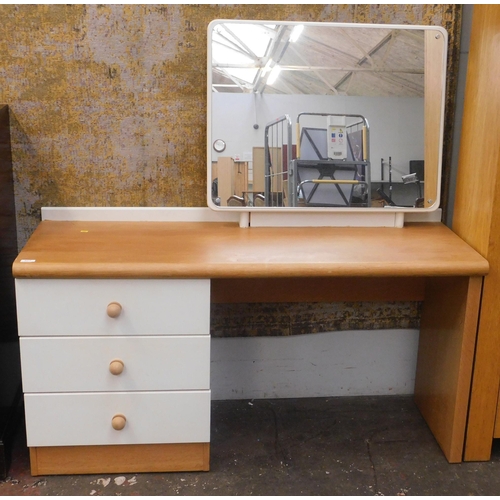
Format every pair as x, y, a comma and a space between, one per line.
118, 422
116, 366
114, 309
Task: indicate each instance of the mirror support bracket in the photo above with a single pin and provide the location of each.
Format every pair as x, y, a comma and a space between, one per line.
245, 219
399, 219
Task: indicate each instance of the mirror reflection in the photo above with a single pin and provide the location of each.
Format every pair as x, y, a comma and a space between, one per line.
322, 115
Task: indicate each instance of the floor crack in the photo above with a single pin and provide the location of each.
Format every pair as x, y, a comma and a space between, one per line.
372, 466
281, 453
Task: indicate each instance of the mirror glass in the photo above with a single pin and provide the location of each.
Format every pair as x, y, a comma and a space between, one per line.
325, 116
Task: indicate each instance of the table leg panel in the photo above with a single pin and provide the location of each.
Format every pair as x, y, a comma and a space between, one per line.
445, 358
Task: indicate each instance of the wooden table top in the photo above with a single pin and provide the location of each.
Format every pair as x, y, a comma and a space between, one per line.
68, 249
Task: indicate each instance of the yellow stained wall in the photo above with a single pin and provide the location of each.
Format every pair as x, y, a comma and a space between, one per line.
108, 102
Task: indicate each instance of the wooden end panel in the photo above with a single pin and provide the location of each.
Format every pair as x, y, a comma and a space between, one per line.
476, 218
481, 426
445, 358
477, 189
60, 460
336, 289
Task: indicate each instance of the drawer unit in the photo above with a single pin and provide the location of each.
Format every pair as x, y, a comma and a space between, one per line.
52, 307
115, 363
100, 364
87, 418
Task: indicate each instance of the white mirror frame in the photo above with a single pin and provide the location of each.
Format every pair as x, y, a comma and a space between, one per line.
435, 87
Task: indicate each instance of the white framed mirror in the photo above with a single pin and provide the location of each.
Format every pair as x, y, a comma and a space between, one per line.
325, 116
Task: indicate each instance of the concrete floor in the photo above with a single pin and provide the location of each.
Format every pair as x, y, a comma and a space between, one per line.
333, 446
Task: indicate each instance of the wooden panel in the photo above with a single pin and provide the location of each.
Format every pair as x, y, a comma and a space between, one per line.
258, 167
476, 215
476, 197
240, 176
223, 250
434, 93
78, 307
225, 175
72, 419
445, 357
74, 364
277, 173
227, 291
485, 381
120, 459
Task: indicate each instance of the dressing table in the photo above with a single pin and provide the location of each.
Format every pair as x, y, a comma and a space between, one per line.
114, 324
114, 304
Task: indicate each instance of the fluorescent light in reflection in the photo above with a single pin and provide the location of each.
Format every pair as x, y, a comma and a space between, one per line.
294, 36
273, 75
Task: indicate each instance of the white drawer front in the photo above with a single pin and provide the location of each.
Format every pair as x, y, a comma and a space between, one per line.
85, 419
50, 307
150, 363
